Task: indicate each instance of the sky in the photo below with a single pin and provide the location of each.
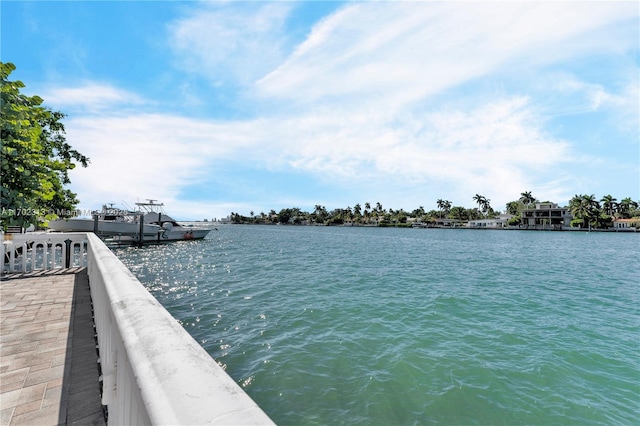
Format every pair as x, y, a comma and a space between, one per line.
216, 107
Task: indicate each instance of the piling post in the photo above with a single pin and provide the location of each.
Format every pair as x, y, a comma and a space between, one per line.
141, 232
67, 257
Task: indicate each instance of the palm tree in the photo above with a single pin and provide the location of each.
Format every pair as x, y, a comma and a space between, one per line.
526, 198
357, 211
367, 207
478, 199
575, 205
609, 204
586, 208
626, 205
486, 206
447, 205
483, 202
320, 213
443, 206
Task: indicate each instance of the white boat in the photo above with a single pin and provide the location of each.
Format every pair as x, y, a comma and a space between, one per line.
124, 225
171, 230
111, 222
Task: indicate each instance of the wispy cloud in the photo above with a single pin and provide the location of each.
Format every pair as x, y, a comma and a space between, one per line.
158, 156
400, 52
230, 43
581, 96
379, 96
91, 97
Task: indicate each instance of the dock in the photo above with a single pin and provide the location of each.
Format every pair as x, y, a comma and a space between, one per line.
84, 342
49, 371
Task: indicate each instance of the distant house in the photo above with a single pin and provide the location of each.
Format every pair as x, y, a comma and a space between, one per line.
449, 223
626, 224
546, 216
496, 222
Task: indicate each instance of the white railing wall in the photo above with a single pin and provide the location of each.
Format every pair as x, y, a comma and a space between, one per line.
154, 372
43, 251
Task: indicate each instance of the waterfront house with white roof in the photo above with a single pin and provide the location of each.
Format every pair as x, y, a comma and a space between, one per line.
499, 221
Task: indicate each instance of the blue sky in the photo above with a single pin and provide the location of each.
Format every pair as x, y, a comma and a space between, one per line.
218, 107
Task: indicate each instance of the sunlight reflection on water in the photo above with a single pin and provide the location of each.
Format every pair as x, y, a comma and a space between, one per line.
402, 326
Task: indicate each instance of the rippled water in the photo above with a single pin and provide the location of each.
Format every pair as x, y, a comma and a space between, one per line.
332, 325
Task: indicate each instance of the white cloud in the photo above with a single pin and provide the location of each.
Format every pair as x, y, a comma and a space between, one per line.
91, 97
137, 156
354, 104
570, 95
592, 96
500, 146
403, 51
230, 42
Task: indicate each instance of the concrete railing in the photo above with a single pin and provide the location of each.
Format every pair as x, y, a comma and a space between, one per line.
154, 372
43, 251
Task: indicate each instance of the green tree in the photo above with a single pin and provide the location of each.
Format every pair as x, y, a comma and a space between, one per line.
513, 207
483, 203
585, 209
472, 214
36, 158
418, 213
479, 199
319, 214
443, 206
348, 213
609, 205
284, 215
296, 215
367, 208
526, 198
458, 213
626, 206
357, 210
514, 221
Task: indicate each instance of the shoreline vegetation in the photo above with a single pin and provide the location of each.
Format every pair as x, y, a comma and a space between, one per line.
584, 212
36, 158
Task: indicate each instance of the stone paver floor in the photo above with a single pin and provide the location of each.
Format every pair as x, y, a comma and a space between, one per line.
48, 360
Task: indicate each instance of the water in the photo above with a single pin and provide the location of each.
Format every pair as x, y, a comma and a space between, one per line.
332, 325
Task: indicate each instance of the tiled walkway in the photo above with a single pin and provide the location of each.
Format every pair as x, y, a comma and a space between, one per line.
48, 368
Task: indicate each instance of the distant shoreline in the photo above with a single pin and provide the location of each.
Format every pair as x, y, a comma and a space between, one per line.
464, 227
